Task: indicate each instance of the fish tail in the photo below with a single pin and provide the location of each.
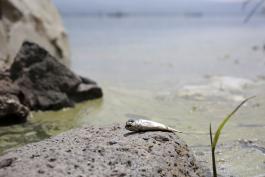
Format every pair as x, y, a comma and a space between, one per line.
174, 130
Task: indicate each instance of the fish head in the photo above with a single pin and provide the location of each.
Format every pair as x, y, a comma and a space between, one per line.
131, 125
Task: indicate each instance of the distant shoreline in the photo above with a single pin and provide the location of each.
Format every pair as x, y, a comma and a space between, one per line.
120, 14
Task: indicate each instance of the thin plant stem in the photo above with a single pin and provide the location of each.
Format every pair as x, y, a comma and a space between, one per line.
213, 154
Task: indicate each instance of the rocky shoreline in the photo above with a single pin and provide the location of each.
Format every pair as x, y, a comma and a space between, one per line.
104, 151
37, 81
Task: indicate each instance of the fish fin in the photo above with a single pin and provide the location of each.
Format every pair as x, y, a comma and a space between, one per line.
174, 130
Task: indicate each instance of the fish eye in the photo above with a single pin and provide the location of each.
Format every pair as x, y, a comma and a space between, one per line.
130, 121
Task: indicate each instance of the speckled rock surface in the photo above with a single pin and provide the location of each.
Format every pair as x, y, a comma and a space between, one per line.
36, 21
108, 151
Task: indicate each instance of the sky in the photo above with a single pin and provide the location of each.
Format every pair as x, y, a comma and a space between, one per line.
151, 6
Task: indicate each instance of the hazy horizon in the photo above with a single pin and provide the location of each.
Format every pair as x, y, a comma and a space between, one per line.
208, 7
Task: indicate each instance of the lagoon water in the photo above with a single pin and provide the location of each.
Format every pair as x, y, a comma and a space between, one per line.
183, 72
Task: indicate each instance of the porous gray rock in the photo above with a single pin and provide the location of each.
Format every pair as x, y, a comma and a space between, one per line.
99, 152
46, 83
37, 21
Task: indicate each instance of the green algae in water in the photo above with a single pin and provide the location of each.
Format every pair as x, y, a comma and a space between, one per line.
42, 125
17, 135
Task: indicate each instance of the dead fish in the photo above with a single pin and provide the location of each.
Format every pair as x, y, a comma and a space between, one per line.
141, 125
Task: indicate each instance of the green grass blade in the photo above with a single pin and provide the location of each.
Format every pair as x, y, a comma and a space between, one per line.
211, 135
213, 153
221, 126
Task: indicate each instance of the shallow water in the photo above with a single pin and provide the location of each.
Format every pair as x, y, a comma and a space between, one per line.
145, 66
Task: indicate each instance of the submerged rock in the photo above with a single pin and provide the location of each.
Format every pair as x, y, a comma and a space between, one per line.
109, 151
11, 109
46, 83
37, 21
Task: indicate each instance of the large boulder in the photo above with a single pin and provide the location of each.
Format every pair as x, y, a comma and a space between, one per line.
109, 151
46, 83
32, 20
11, 109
